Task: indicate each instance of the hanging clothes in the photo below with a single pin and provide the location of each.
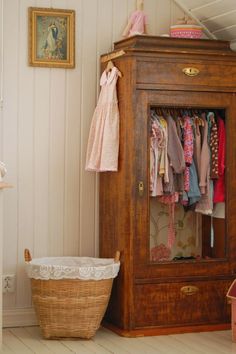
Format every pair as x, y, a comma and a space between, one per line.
205, 204
219, 187
214, 152
164, 164
194, 194
197, 148
174, 148
176, 159
205, 161
103, 142
157, 146
188, 151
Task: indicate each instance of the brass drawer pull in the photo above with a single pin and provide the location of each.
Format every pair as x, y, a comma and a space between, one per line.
191, 71
189, 290
140, 188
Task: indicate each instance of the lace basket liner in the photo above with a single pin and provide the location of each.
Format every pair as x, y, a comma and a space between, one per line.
85, 268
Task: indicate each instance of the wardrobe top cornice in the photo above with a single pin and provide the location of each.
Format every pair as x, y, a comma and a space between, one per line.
144, 43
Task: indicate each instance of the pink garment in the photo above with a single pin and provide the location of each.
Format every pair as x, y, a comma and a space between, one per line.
103, 142
219, 188
188, 151
214, 142
138, 21
205, 161
205, 205
197, 149
157, 143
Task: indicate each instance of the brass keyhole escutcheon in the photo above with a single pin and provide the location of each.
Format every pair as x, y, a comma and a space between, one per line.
140, 188
191, 71
189, 290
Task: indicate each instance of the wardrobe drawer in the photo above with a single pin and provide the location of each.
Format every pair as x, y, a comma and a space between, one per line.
186, 73
183, 304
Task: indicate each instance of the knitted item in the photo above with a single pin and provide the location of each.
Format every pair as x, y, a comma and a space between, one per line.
219, 188
214, 174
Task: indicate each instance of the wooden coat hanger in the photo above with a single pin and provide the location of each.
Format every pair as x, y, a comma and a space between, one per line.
110, 66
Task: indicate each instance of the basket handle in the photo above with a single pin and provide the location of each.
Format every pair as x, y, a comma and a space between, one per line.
27, 255
117, 257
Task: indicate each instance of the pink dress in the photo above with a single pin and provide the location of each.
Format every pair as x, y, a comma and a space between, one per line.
138, 20
103, 142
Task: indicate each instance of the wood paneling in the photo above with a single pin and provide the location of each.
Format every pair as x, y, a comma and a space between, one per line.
10, 140
214, 9
53, 206
217, 17
89, 82
25, 158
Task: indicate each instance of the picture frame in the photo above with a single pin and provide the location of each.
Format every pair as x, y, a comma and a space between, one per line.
51, 37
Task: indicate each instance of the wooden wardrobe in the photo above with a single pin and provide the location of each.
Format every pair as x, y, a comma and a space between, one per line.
148, 297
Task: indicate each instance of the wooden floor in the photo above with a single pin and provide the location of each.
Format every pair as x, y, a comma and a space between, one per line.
28, 340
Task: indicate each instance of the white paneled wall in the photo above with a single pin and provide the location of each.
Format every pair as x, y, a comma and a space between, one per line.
53, 207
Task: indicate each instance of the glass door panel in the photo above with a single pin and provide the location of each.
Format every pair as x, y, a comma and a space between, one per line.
187, 177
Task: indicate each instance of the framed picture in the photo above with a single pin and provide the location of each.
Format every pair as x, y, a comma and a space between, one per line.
51, 37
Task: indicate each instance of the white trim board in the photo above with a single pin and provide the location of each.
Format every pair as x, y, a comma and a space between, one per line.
19, 317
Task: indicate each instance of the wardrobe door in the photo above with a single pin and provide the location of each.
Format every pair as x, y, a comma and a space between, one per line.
166, 287
203, 245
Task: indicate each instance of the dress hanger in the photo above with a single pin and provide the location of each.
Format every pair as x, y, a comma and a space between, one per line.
110, 66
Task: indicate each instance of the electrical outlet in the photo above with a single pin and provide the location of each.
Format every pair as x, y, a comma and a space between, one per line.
8, 283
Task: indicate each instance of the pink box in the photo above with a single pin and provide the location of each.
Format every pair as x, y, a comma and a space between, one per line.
186, 31
233, 319
231, 294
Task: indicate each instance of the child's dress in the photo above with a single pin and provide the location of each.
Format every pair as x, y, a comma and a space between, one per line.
137, 23
103, 142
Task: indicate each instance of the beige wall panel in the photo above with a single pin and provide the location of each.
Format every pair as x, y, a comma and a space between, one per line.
150, 8
26, 97
42, 84
119, 18
176, 13
89, 89
72, 143
131, 6
53, 208
163, 19
57, 162
104, 45
10, 139
57, 155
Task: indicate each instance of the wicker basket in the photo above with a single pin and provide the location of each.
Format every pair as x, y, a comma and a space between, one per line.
70, 307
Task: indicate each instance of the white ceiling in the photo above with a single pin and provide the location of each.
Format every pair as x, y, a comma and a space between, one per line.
217, 17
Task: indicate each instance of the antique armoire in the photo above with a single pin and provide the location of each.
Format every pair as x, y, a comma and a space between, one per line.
187, 294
